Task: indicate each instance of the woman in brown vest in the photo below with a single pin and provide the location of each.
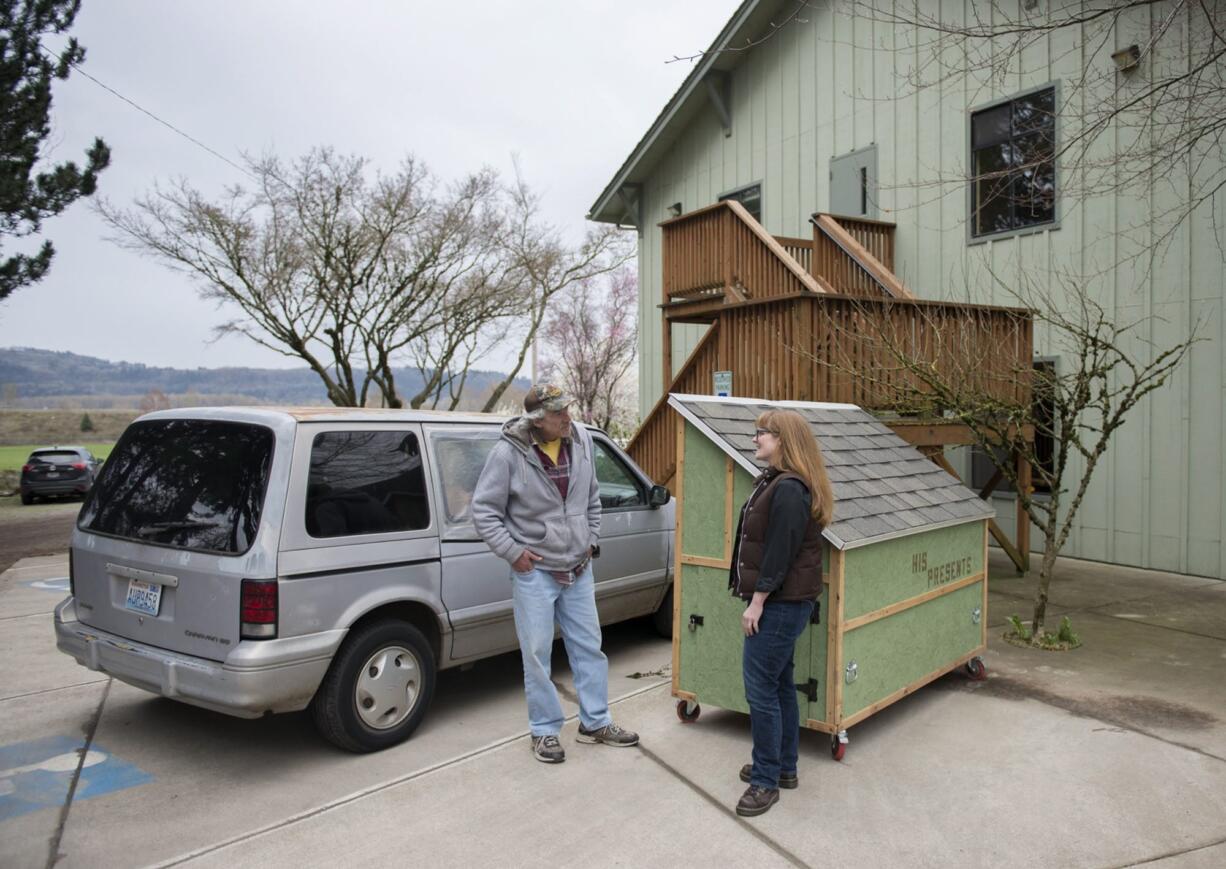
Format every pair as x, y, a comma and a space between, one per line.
777, 568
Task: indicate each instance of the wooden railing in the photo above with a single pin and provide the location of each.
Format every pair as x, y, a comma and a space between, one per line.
654, 445
721, 250
875, 236
846, 349
850, 266
799, 249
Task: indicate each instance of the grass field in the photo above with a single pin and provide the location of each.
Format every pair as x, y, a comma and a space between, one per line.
12, 458
19, 428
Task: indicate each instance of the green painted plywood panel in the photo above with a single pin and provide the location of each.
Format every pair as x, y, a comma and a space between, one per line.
895, 651
710, 655
702, 512
896, 570
816, 645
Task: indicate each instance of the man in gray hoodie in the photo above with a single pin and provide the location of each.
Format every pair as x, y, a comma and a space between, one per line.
537, 506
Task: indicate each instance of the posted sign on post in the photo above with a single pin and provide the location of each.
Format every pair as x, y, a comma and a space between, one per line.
723, 383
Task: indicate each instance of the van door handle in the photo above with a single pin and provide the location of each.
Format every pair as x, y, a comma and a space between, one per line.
143, 575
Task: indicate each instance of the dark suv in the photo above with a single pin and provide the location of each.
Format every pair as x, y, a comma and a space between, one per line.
58, 471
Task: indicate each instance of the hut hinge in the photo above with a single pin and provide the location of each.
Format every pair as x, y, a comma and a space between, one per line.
809, 689
816, 618
695, 621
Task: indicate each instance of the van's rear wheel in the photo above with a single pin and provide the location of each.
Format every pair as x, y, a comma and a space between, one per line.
378, 688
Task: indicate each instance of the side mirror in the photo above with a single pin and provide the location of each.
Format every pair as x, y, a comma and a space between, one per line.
659, 496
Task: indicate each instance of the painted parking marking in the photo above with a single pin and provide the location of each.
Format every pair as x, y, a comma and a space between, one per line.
58, 585
37, 774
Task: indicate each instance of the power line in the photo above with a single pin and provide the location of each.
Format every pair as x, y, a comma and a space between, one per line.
164, 123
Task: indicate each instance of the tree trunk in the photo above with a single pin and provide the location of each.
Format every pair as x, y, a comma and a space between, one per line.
1047, 566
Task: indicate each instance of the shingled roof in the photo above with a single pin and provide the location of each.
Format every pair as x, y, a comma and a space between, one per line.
883, 486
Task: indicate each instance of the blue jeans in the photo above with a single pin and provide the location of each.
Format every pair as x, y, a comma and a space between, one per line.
539, 599
774, 714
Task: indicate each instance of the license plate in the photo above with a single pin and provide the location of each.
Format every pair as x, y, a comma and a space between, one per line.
144, 597
51, 475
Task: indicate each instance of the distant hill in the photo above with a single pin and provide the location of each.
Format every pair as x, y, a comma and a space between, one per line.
31, 377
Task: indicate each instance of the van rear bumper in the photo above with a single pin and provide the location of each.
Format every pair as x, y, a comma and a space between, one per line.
257, 678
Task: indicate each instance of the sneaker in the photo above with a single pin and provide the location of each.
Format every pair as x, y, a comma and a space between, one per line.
610, 734
756, 800
788, 780
547, 749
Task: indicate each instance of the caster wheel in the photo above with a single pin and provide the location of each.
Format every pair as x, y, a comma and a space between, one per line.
687, 715
976, 669
838, 747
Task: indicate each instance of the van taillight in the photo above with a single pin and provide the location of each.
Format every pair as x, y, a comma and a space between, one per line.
259, 609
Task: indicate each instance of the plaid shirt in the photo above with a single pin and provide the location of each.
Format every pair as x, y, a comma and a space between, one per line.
560, 472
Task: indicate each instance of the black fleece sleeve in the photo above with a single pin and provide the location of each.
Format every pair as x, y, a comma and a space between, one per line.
785, 531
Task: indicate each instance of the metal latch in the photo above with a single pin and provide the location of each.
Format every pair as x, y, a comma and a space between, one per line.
851, 672
976, 615
695, 621
809, 689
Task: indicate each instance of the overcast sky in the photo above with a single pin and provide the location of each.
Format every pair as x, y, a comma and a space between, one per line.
568, 85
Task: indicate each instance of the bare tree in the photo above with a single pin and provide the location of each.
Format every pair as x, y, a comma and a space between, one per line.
545, 265
1143, 110
592, 335
324, 263
952, 369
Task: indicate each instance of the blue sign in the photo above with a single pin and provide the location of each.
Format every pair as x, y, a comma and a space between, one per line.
37, 774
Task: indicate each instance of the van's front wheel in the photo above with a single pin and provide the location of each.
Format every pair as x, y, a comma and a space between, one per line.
378, 688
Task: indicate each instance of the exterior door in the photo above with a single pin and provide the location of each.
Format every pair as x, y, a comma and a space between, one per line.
853, 183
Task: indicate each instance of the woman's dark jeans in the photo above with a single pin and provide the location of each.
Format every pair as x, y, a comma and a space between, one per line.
774, 715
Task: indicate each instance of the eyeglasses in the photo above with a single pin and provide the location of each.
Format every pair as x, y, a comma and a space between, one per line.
758, 432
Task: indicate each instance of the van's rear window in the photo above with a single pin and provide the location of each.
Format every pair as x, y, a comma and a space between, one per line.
190, 484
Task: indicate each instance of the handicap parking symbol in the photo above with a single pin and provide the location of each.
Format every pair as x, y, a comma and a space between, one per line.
37, 774
58, 585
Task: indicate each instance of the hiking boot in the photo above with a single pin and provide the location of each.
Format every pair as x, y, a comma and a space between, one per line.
788, 780
610, 734
547, 749
756, 800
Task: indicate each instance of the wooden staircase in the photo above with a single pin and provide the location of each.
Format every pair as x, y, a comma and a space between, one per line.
802, 319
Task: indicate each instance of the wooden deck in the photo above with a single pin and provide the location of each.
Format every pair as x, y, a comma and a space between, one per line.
815, 320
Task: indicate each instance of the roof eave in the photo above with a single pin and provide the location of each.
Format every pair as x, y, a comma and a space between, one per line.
606, 208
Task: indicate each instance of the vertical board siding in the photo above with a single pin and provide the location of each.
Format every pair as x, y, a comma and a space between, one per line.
830, 84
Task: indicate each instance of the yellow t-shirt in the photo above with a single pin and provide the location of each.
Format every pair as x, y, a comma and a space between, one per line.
553, 449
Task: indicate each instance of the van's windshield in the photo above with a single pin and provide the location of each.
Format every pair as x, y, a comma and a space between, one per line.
190, 484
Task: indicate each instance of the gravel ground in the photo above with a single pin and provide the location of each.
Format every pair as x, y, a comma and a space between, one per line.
39, 529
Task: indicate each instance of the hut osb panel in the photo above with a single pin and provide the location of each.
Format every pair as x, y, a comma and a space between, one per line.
904, 568
702, 529
898, 652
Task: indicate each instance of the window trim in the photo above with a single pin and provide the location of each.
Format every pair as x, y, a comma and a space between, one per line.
615, 454
294, 536
728, 194
1055, 222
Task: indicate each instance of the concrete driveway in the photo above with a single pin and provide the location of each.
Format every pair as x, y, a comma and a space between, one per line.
1112, 755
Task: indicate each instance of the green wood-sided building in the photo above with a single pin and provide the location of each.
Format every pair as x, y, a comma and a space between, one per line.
905, 597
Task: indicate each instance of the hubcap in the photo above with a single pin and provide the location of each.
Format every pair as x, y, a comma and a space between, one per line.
387, 687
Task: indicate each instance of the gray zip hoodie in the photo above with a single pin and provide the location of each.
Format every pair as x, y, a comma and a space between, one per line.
516, 506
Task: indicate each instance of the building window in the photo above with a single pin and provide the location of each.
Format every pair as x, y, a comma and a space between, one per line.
750, 197
983, 468
1013, 183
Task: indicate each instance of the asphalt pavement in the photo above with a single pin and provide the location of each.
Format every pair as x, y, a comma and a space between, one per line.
1110, 755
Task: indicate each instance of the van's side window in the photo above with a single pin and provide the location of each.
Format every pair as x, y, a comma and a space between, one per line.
618, 486
460, 456
365, 482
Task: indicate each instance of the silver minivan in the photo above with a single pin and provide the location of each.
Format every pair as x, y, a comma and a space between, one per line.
254, 561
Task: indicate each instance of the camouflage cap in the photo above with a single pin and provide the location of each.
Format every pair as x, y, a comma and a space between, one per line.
548, 397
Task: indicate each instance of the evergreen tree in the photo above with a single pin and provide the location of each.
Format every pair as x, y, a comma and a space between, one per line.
31, 191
